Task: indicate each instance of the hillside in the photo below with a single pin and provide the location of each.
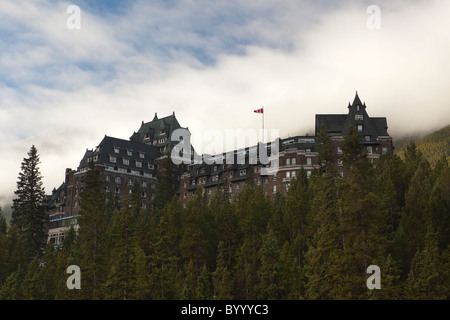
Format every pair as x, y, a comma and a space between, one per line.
432, 145
6, 213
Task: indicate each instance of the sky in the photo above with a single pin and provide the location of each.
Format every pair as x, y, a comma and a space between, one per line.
63, 89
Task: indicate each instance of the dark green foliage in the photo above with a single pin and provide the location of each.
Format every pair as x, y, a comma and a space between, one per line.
315, 242
28, 214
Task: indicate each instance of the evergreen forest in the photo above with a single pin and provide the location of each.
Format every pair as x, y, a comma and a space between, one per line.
314, 242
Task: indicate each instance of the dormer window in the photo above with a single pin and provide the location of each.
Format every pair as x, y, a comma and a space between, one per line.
126, 162
141, 155
129, 153
357, 108
139, 164
359, 117
116, 150
112, 159
367, 138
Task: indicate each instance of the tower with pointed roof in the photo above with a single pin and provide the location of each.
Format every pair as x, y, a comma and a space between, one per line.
373, 130
158, 133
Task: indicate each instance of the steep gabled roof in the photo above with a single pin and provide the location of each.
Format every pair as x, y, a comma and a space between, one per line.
108, 147
339, 124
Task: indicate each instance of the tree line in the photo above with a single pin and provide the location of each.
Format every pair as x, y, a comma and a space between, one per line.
315, 242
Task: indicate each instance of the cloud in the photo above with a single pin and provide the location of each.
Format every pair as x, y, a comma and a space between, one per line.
212, 63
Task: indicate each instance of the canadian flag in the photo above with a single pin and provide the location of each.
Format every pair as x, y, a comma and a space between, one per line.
261, 110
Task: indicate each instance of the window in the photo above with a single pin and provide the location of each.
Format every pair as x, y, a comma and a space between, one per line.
359, 126
367, 138
308, 173
358, 117
339, 150
143, 195
357, 108
215, 168
274, 177
274, 189
118, 180
129, 153
126, 162
112, 159
130, 182
288, 162
308, 161
293, 174
369, 150
151, 166
384, 150
107, 178
139, 164
293, 161
117, 190
144, 184
288, 174
340, 163
141, 155
242, 172
116, 150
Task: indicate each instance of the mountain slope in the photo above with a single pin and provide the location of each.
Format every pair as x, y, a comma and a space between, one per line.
433, 145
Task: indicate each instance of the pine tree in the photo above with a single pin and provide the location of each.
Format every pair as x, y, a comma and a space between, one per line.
295, 211
12, 288
3, 249
141, 280
270, 281
195, 244
427, 278
166, 184
292, 275
204, 288
122, 236
163, 261
92, 253
226, 225
438, 207
32, 286
222, 281
412, 227
28, 214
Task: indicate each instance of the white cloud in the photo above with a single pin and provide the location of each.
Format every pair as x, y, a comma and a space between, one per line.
65, 89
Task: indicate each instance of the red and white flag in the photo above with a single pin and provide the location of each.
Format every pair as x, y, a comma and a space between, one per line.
260, 110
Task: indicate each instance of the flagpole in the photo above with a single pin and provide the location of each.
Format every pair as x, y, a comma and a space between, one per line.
263, 124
